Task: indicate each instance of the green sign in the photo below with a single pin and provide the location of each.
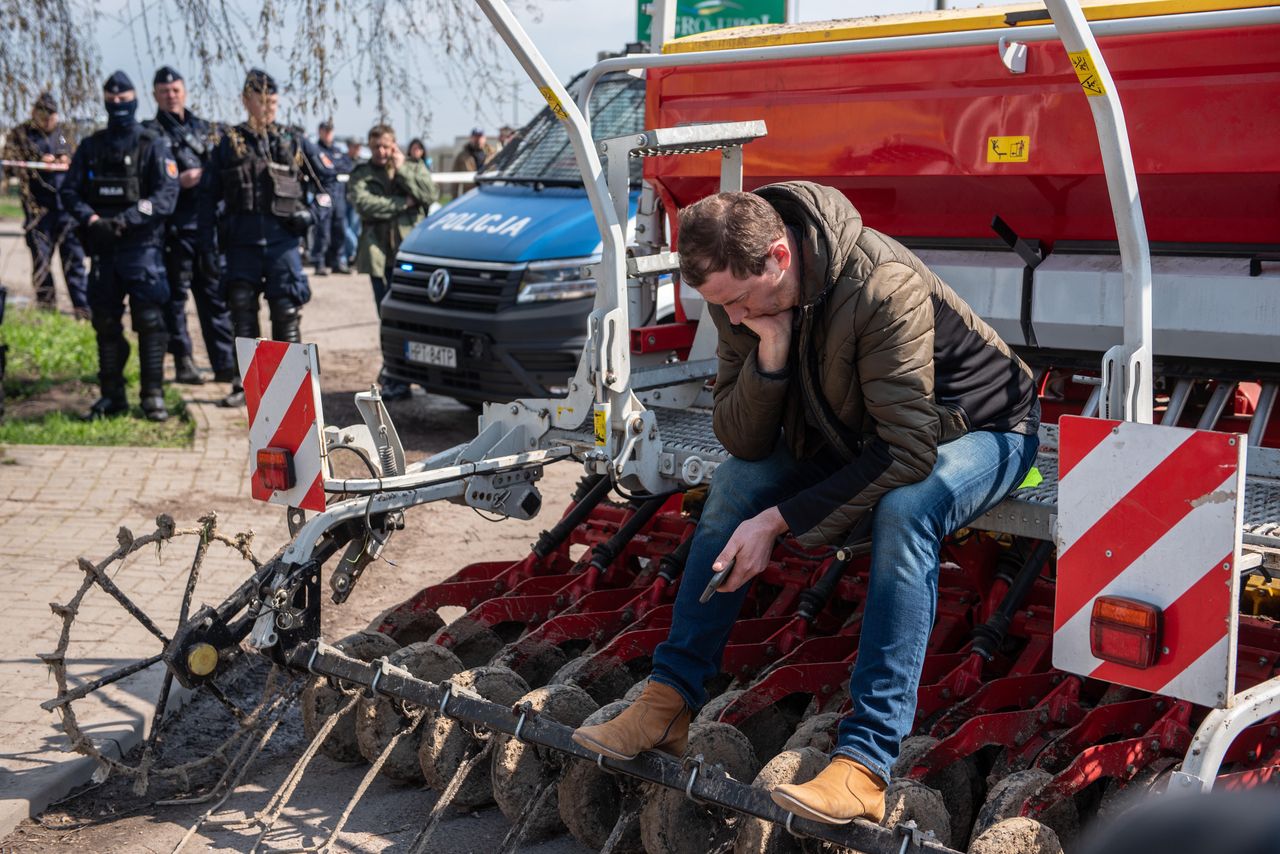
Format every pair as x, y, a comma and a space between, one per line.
701, 16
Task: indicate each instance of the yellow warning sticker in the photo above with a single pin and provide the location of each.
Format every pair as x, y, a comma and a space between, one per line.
1008, 149
601, 419
553, 102
562, 411
1090, 82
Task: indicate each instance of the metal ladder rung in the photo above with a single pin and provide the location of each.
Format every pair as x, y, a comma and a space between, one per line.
693, 139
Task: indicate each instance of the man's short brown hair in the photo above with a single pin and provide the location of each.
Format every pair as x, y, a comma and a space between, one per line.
379, 131
727, 231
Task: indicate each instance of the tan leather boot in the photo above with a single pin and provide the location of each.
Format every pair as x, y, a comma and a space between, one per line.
841, 792
657, 720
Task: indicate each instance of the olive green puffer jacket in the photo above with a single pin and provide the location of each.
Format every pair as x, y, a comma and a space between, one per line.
887, 363
389, 208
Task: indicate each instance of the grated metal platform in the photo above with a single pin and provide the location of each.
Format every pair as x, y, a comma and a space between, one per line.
687, 434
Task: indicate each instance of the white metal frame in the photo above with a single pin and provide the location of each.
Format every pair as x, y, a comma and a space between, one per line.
1126, 368
1220, 728
512, 435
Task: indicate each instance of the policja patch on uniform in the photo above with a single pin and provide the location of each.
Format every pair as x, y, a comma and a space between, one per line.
170, 167
144, 206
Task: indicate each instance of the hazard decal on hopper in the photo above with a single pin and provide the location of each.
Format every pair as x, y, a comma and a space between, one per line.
1151, 513
282, 393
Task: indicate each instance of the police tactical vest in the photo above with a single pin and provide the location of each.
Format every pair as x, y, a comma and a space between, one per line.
115, 175
264, 177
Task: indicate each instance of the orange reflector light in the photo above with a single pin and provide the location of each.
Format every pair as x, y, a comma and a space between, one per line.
1125, 631
276, 467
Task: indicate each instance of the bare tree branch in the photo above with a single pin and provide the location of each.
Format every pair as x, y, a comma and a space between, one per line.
377, 46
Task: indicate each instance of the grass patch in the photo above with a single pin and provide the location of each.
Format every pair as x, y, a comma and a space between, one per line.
47, 349
51, 381
10, 206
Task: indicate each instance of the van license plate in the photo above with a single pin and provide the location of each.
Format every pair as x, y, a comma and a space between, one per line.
431, 354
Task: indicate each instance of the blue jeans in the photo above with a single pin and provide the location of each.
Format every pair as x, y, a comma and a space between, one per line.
972, 475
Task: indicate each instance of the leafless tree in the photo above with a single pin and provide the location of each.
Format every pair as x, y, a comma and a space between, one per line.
378, 45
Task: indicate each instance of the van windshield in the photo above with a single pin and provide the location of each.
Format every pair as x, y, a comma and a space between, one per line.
544, 155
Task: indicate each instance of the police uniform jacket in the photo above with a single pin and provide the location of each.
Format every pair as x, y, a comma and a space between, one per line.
192, 140
342, 163
128, 174
261, 179
326, 166
31, 143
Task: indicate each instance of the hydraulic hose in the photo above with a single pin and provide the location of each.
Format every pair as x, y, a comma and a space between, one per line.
549, 541
608, 551
988, 636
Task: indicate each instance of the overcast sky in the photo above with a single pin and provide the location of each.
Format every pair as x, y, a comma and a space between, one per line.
569, 35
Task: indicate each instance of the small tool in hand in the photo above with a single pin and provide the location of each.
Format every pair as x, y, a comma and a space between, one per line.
715, 582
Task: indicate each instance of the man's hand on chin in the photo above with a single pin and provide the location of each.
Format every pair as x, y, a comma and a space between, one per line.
751, 545
775, 339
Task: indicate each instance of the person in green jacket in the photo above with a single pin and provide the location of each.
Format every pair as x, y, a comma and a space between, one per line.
392, 195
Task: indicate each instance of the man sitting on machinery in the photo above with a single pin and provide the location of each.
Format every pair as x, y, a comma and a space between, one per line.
851, 378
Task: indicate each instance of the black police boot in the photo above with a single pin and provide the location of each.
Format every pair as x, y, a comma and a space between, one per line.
321, 270
153, 341
113, 352
235, 398
242, 300
186, 372
393, 389
286, 321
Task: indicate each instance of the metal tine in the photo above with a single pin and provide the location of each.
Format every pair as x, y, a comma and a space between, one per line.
419, 845
235, 763
368, 778
282, 707
89, 687
628, 818
125, 602
267, 816
218, 694
515, 835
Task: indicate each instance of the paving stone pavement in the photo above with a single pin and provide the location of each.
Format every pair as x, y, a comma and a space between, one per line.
60, 503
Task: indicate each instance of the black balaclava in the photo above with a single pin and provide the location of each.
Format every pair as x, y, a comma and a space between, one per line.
120, 116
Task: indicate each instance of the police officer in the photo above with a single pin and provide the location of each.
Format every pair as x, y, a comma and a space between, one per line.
332, 167
122, 185
47, 226
191, 139
351, 230
258, 171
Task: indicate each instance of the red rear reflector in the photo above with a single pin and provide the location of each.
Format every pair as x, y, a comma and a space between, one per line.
276, 467
1125, 631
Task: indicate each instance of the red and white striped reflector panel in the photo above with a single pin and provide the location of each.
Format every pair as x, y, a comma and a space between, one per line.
282, 392
1154, 514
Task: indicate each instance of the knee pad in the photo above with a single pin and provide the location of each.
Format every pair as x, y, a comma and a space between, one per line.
241, 296
148, 319
106, 324
286, 320
284, 309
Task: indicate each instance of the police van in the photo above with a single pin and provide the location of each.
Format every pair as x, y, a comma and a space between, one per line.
489, 295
